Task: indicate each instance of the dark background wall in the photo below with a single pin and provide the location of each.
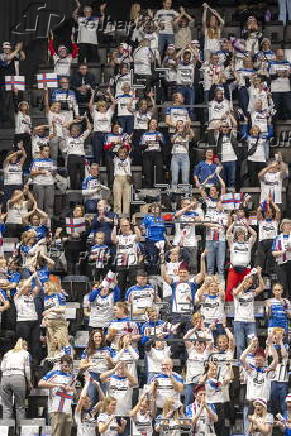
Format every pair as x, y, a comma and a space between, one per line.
27, 19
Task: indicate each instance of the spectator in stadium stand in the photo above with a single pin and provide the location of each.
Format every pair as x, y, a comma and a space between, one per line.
16, 372
83, 83
165, 20
61, 384
281, 251
87, 33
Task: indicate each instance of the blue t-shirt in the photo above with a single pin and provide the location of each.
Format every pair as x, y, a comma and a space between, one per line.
155, 228
204, 170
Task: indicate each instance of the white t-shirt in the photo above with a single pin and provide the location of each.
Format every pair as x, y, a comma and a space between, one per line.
240, 254
113, 427
60, 120
123, 102
227, 151
212, 309
143, 58
141, 120
195, 365
259, 155
101, 310
260, 119
217, 109
185, 234
62, 66
46, 165
13, 174
119, 388
76, 145
271, 184
102, 120
126, 250
155, 358
244, 306
87, 426
25, 308
166, 17
259, 383
87, 30
268, 229
22, 123
121, 166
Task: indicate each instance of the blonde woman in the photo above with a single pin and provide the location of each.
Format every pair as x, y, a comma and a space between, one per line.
15, 368
17, 207
261, 422
168, 424
142, 416
212, 27
107, 423
102, 118
54, 316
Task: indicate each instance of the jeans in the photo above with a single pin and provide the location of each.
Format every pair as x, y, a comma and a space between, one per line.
152, 168
164, 40
45, 198
97, 145
279, 392
242, 330
127, 123
188, 93
284, 10
215, 256
180, 162
229, 169
76, 170
13, 387
243, 99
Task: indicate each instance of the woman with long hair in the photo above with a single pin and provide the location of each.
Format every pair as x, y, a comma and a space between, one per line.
142, 415
126, 353
168, 424
212, 27
97, 358
108, 425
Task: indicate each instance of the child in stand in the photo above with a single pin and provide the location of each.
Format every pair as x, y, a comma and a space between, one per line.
122, 182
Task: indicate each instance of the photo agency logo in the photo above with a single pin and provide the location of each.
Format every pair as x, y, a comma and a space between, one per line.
37, 19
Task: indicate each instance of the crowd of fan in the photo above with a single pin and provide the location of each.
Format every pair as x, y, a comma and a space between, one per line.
174, 345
